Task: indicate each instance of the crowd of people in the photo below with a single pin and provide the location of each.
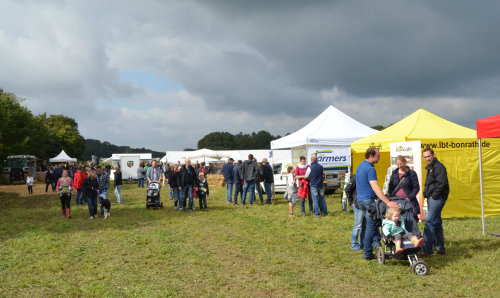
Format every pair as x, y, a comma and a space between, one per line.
305, 182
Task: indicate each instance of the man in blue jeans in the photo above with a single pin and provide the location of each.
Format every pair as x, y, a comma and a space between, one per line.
248, 172
368, 190
436, 191
186, 180
227, 171
316, 175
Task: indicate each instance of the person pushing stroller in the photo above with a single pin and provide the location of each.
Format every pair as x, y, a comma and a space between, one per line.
393, 227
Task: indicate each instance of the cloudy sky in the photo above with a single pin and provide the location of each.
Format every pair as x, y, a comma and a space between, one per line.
162, 74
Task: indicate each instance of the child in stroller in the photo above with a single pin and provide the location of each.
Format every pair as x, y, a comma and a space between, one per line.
393, 228
405, 249
153, 195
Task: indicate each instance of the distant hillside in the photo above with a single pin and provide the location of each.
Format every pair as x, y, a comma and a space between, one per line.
106, 149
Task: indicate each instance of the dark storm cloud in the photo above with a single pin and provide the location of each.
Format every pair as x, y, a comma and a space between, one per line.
375, 48
248, 65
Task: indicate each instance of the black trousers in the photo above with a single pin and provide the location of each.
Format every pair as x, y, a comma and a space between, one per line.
65, 201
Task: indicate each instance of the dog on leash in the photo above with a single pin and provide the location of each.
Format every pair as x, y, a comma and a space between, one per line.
105, 204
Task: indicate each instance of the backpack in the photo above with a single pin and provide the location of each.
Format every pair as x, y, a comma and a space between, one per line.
350, 191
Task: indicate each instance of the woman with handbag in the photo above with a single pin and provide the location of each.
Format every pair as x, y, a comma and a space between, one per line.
404, 183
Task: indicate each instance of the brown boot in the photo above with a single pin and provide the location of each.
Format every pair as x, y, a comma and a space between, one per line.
417, 242
64, 212
68, 214
398, 247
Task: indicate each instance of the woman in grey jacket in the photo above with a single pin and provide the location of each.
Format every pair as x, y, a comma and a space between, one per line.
140, 175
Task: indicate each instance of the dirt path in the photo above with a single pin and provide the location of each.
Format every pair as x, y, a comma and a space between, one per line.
22, 190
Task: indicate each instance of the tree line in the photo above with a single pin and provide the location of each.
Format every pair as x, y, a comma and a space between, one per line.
106, 149
44, 136
228, 141
22, 132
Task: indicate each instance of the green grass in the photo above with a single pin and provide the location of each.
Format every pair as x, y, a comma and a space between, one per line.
227, 251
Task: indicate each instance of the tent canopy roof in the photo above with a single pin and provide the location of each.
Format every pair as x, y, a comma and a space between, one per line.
62, 157
332, 127
420, 125
206, 153
488, 127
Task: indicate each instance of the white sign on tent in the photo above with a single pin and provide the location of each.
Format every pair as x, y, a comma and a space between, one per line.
331, 156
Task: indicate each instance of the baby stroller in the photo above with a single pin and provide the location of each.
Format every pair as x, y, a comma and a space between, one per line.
153, 196
418, 267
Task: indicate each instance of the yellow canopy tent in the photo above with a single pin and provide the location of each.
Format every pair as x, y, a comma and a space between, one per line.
455, 146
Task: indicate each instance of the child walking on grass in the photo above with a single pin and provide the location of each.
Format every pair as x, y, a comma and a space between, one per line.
393, 227
29, 181
291, 190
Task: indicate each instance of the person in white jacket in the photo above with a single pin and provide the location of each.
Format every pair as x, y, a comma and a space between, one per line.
29, 181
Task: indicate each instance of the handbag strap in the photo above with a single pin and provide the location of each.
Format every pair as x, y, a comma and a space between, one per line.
398, 186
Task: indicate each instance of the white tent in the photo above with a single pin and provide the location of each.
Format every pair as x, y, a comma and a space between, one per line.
259, 154
332, 127
206, 153
62, 157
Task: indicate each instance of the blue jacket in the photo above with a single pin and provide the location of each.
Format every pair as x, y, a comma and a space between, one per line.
227, 171
316, 175
267, 174
159, 173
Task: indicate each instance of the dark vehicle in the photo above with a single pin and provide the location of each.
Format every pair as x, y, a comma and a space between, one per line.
17, 167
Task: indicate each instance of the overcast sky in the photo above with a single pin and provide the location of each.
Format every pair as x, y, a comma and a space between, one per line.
162, 74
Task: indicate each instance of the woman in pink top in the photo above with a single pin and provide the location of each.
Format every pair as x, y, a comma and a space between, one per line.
65, 185
300, 175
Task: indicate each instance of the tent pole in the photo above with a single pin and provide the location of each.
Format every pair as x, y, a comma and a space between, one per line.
481, 185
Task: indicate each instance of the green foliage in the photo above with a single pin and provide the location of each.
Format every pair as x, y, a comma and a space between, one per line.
21, 132
227, 251
228, 141
106, 149
66, 131
378, 127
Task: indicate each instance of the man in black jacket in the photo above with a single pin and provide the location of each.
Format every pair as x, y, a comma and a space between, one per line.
267, 178
436, 191
187, 179
237, 182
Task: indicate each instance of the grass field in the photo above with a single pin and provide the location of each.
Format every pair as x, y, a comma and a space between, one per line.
227, 251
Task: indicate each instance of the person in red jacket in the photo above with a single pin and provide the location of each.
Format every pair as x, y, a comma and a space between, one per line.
78, 181
303, 193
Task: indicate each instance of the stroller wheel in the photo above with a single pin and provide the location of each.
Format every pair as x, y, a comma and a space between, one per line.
420, 268
380, 254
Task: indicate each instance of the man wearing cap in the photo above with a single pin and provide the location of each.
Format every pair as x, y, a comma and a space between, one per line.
227, 171
267, 178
